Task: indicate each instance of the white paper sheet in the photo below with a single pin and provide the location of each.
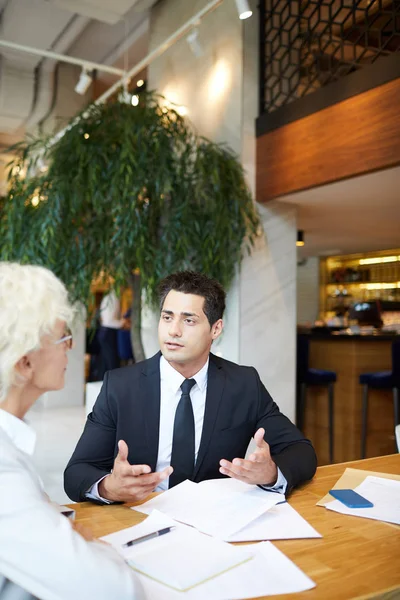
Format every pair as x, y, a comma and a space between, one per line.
268, 572
187, 558
154, 522
383, 493
215, 509
281, 522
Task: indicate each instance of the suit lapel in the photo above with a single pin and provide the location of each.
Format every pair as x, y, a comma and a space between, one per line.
215, 387
150, 401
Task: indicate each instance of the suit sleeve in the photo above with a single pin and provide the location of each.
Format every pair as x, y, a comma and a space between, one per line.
94, 454
290, 450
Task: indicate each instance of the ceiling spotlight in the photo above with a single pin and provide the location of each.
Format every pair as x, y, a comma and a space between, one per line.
84, 82
300, 238
140, 83
243, 9
194, 43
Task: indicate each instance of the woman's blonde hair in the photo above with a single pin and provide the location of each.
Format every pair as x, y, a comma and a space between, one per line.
32, 298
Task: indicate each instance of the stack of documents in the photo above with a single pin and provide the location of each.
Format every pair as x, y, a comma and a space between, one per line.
187, 562
384, 495
281, 522
212, 509
231, 511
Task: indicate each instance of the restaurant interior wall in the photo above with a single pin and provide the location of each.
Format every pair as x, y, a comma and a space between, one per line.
218, 93
307, 289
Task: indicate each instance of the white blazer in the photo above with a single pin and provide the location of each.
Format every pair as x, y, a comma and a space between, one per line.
40, 554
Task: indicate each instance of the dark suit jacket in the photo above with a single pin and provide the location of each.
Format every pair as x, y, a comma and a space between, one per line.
237, 404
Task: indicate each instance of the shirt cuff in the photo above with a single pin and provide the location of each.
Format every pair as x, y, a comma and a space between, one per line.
93, 492
280, 485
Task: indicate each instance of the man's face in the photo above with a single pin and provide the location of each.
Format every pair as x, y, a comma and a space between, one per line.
184, 333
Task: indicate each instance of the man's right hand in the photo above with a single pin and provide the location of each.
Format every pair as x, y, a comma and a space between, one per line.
130, 483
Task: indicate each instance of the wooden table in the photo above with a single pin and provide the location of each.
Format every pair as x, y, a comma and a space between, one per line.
356, 558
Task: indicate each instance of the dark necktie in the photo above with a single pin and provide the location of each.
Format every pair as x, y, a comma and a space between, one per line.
182, 456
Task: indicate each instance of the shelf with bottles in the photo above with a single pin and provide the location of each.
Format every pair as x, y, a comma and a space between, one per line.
358, 291
357, 278
383, 267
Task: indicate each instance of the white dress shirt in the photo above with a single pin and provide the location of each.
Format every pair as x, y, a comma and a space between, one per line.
171, 382
110, 311
40, 554
171, 393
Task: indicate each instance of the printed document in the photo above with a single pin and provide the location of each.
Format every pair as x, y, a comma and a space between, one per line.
384, 495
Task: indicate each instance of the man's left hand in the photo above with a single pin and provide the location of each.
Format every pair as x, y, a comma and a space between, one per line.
259, 469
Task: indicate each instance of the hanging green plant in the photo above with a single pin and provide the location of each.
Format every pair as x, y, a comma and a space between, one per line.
131, 193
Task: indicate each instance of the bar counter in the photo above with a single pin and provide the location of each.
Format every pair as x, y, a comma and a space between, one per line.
350, 356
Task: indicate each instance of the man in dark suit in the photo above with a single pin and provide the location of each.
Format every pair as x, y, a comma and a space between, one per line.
185, 413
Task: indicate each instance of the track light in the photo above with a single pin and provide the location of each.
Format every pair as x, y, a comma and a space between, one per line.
300, 238
84, 82
194, 43
243, 9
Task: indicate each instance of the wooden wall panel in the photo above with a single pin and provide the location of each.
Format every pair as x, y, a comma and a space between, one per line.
358, 135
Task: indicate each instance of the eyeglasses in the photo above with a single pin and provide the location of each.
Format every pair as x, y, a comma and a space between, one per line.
66, 339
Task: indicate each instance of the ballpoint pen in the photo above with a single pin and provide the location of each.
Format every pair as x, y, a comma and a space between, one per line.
150, 536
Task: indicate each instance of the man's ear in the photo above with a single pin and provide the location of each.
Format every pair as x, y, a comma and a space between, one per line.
24, 368
217, 328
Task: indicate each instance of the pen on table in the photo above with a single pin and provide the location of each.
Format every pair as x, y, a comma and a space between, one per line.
150, 536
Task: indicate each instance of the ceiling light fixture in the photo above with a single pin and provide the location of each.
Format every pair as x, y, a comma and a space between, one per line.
300, 238
125, 96
378, 260
84, 82
194, 43
243, 9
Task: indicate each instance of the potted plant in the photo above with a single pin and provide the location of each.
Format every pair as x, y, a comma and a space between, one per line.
128, 194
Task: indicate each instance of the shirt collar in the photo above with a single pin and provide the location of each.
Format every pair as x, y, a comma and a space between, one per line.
20, 433
174, 380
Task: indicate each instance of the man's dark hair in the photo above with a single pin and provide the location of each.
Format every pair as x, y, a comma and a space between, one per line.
190, 282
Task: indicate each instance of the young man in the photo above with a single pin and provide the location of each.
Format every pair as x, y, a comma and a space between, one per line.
185, 413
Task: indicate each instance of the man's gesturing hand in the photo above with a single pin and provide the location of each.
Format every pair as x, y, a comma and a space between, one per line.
130, 483
259, 469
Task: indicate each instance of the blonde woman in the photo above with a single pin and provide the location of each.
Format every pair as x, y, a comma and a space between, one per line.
41, 555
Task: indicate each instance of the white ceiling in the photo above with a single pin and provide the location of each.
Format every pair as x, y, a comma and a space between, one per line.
355, 215
103, 31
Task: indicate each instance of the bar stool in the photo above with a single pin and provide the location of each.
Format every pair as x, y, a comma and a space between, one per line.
313, 377
381, 380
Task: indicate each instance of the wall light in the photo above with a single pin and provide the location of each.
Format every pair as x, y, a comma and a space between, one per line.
300, 238
140, 83
243, 9
181, 110
135, 100
219, 80
84, 82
